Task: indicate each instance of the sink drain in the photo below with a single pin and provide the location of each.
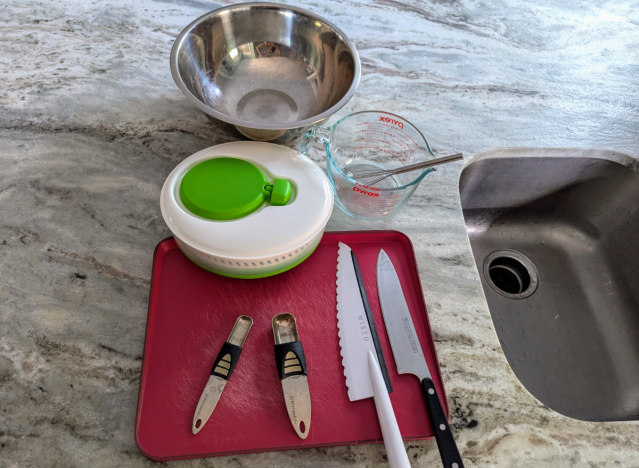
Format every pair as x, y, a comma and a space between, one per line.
511, 274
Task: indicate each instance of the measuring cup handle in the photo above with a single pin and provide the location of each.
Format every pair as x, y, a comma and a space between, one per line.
313, 133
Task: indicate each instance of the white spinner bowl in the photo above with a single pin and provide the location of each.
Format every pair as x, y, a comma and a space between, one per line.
269, 241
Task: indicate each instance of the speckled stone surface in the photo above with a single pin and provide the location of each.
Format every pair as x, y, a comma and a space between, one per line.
91, 123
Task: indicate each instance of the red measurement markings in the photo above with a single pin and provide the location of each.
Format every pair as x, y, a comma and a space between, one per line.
394, 135
392, 153
391, 135
396, 130
398, 150
400, 132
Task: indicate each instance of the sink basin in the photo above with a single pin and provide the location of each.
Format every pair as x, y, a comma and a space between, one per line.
555, 236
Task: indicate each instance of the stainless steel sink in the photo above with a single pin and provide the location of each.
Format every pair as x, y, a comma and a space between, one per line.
555, 235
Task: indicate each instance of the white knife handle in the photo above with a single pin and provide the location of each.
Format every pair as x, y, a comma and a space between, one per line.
395, 450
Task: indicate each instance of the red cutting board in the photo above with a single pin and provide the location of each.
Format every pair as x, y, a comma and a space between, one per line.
191, 313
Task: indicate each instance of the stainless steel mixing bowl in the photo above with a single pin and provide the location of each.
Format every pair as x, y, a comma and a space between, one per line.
270, 70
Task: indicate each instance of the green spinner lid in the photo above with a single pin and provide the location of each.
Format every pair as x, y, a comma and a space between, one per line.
221, 189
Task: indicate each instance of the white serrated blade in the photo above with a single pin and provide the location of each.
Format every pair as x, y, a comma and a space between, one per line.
355, 339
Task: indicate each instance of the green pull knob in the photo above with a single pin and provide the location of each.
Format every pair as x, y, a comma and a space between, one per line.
281, 192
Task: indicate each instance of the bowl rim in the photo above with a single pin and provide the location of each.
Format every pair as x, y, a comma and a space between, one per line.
266, 126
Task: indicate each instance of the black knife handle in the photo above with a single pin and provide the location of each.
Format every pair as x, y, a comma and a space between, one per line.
445, 440
225, 361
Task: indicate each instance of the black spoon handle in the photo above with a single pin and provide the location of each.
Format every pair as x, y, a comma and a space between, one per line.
443, 436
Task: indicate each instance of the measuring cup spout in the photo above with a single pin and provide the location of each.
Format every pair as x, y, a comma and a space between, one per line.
316, 133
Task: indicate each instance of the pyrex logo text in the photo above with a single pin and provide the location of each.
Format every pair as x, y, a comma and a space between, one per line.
393, 121
355, 189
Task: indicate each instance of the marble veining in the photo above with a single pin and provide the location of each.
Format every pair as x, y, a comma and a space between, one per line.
91, 124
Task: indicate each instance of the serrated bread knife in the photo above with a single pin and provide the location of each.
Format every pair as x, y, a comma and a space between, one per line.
360, 355
220, 373
409, 356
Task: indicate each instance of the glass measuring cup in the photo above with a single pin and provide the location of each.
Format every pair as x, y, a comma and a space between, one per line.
371, 141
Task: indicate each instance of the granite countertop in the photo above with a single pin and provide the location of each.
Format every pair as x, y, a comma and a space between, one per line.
91, 124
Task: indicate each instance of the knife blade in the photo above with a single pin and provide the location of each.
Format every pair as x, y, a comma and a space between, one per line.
351, 291
409, 356
221, 371
362, 355
292, 370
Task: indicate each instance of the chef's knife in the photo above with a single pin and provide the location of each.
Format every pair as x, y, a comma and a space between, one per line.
220, 373
409, 357
360, 355
291, 367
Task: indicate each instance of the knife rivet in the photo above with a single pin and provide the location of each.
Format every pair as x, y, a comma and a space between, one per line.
455, 465
431, 391
442, 427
